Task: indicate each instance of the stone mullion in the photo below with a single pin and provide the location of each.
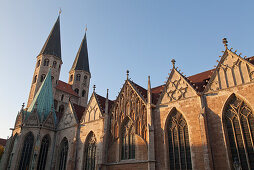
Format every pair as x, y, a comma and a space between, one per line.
179, 146
244, 144
184, 145
251, 137
173, 143
236, 143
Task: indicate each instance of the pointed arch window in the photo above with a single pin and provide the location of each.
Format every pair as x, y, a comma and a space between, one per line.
78, 77
61, 108
71, 78
35, 79
26, 151
46, 62
38, 63
43, 153
178, 142
62, 97
77, 91
43, 77
54, 64
238, 120
83, 93
63, 154
90, 152
127, 141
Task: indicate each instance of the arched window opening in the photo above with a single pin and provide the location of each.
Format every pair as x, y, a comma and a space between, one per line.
38, 63
178, 142
63, 154
71, 78
61, 108
43, 77
43, 153
54, 64
62, 97
128, 141
52, 78
26, 151
78, 77
55, 104
238, 120
35, 79
83, 93
77, 91
90, 152
46, 62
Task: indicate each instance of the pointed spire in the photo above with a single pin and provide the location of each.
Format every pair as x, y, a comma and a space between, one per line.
52, 45
43, 100
149, 92
81, 61
149, 83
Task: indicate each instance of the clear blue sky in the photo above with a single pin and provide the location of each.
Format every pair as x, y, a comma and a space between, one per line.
140, 35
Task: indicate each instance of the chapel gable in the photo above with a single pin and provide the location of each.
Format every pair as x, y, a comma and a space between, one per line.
232, 70
49, 122
68, 119
32, 119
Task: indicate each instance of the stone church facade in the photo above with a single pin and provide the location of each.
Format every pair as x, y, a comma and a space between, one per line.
204, 121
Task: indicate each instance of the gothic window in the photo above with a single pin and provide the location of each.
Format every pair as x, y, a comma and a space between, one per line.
26, 151
238, 120
83, 93
35, 79
71, 78
61, 108
178, 142
55, 104
52, 78
90, 152
46, 62
127, 141
78, 77
77, 91
43, 77
54, 64
62, 97
63, 154
43, 153
38, 63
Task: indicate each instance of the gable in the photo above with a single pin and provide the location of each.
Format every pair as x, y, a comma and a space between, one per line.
68, 119
231, 71
177, 88
32, 120
49, 122
93, 111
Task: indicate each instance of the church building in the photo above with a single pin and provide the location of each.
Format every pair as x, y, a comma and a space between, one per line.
201, 122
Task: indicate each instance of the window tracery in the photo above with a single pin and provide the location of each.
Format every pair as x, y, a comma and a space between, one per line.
238, 121
63, 154
43, 153
128, 141
90, 152
178, 142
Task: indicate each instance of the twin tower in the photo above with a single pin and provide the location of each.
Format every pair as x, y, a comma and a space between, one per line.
77, 88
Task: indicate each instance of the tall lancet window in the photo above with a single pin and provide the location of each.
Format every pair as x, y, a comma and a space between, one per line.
63, 154
90, 152
128, 140
238, 120
43, 153
26, 151
178, 142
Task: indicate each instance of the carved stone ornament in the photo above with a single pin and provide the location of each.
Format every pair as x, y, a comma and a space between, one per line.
177, 89
67, 119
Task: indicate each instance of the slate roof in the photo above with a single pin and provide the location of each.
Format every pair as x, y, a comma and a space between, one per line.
3, 142
102, 101
65, 88
52, 45
81, 61
43, 100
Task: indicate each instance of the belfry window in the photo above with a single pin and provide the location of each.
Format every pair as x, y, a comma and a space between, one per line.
90, 152
83, 93
43, 77
71, 78
63, 154
38, 63
26, 151
46, 62
127, 141
178, 142
43, 153
62, 97
54, 64
35, 79
238, 120
78, 77
77, 91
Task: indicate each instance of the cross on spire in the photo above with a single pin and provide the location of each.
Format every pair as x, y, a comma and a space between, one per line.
94, 87
173, 61
127, 74
225, 42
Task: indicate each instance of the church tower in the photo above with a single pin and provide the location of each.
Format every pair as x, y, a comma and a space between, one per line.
79, 75
49, 57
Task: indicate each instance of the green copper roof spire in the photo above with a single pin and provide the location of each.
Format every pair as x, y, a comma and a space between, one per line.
43, 101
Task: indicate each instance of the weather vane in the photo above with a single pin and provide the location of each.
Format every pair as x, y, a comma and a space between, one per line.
86, 28
60, 11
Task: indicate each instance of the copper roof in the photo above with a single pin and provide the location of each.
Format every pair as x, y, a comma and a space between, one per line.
65, 88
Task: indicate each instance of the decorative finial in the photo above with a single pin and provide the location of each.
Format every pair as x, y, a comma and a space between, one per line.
60, 11
225, 42
23, 105
86, 28
173, 61
107, 94
94, 87
127, 73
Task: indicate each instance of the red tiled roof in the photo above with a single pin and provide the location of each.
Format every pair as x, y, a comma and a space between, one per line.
102, 102
65, 88
3, 142
251, 59
79, 110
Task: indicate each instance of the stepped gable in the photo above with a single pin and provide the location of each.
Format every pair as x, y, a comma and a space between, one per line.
65, 88
79, 110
